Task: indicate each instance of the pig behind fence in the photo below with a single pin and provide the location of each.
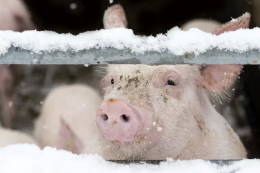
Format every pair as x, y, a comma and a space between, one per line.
13, 16
147, 112
231, 108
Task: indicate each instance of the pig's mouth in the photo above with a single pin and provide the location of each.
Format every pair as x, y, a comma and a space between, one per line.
123, 124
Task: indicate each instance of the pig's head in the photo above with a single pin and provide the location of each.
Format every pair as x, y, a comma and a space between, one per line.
149, 109
145, 105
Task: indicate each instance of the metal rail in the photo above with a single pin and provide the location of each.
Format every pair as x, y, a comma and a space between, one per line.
157, 162
115, 56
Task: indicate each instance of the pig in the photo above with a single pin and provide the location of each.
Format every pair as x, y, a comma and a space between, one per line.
64, 119
205, 25
148, 112
13, 16
11, 137
155, 112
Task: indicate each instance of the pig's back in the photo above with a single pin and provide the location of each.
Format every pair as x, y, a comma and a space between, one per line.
8, 137
202, 24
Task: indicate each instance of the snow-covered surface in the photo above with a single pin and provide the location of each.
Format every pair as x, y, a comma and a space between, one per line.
174, 41
24, 158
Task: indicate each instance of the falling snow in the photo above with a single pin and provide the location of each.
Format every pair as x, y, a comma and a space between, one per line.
159, 129
73, 6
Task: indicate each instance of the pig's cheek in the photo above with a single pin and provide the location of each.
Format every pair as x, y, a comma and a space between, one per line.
173, 92
158, 84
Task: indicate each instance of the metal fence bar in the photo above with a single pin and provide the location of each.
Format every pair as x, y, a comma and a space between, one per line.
157, 162
115, 56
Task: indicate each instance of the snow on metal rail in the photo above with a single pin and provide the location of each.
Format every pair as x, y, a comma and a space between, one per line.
122, 46
114, 56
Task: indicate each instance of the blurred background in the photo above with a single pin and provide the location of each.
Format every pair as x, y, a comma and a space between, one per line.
145, 17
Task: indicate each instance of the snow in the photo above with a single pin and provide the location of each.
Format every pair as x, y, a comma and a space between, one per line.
73, 6
25, 158
159, 129
174, 41
234, 20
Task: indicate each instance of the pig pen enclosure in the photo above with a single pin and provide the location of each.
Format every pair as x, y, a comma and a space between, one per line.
46, 60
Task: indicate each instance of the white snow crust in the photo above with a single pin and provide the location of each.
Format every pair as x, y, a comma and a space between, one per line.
175, 41
25, 158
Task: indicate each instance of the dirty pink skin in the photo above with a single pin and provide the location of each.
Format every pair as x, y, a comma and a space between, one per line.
13, 16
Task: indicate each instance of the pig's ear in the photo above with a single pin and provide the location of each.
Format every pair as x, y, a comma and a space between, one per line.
240, 23
68, 140
217, 78
115, 17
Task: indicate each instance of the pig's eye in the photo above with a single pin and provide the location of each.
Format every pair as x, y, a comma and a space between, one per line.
112, 81
170, 82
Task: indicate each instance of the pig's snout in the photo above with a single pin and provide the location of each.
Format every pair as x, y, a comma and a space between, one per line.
117, 121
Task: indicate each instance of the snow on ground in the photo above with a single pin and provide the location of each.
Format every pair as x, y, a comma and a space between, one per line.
24, 158
175, 41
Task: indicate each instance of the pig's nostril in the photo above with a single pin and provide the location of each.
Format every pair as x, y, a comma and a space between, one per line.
104, 117
125, 118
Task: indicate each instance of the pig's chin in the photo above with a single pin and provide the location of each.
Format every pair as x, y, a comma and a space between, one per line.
131, 150
136, 149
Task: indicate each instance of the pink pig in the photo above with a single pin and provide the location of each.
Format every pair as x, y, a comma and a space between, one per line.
155, 112
148, 112
10, 137
13, 16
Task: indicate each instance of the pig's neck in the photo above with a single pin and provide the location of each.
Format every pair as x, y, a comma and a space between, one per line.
216, 139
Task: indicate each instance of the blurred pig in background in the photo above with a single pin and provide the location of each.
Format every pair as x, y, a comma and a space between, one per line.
13, 16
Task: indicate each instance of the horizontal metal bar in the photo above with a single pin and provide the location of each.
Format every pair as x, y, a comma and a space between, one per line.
115, 56
157, 162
